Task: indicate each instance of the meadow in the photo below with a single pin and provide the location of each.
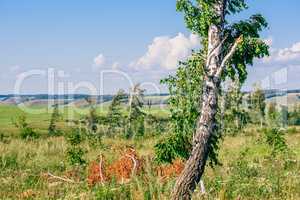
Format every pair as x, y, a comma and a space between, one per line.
39, 168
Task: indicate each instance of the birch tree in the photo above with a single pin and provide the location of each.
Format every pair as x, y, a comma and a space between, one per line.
228, 48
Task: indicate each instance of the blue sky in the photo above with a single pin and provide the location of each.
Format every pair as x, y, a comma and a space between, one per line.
139, 37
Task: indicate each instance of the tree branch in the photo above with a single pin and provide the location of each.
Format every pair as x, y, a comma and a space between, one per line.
229, 55
60, 178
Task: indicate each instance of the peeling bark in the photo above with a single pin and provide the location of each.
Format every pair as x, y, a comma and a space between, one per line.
215, 64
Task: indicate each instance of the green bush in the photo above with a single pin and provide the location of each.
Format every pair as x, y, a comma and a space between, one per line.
26, 132
76, 136
75, 155
274, 137
171, 147
291, 130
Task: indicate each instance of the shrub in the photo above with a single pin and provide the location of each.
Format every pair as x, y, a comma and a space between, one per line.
114, 115
171, 147
26, 132
274, 137
75, 155
294, 116
52, 129
76, 136
291, 130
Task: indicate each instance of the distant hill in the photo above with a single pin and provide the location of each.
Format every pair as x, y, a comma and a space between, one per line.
289, 97
76, 99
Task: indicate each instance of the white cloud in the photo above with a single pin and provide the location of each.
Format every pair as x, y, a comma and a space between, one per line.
166, 51
99, 60
115, 65
289, 53
285, 55
269, 41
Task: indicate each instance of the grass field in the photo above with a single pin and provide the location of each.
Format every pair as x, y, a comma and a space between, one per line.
249, 170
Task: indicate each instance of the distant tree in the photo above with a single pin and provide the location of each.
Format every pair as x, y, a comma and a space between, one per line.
274, 137
272, 114
26, 132
235, 115
149, 104
52, 129
135, 125
75, 152
257, 104
91, 118
114, 115
294, 115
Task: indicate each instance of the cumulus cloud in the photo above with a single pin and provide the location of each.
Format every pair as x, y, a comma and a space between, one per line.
166, 51
285, 55
289, 53
115, 65
99, 60
269, 41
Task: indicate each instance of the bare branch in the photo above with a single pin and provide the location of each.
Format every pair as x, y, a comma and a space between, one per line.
60, 178
229, 55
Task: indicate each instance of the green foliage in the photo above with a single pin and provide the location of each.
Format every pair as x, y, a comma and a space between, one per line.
136, 117
257, 105
185, 89
75, 153
91, 119
52, 129
291, 130
171, 147
76, 136
294, 116
273, 116
235, 117
186, 85
201, 15
26, 132
156, 124
274, 137
114, 115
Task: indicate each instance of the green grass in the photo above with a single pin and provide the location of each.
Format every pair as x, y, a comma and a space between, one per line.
248, 170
